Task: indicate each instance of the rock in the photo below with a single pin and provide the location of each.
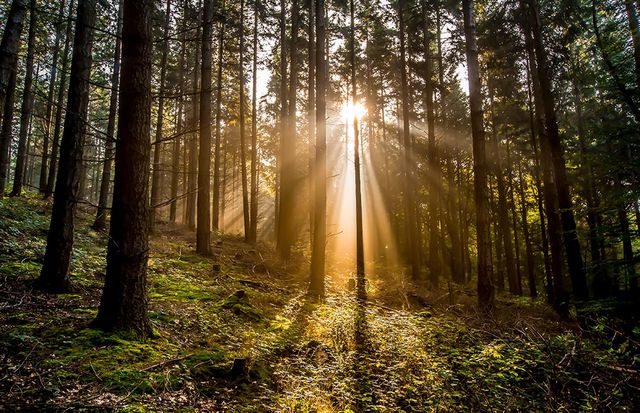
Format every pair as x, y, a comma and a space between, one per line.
216, 268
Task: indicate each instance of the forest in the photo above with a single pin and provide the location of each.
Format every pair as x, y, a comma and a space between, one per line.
320, 205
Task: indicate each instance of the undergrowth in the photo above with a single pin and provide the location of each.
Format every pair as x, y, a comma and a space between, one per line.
234, 332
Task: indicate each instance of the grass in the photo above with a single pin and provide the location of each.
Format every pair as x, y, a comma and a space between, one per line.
244, 340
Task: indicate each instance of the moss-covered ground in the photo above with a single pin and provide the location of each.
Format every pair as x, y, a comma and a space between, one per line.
234, 332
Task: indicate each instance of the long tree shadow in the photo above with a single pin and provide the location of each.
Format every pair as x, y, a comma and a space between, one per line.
363, 352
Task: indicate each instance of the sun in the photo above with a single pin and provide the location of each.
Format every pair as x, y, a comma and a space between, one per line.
351, 110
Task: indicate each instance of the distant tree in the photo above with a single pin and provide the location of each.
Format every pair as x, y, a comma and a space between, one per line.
54, 276
62, 88
101, 217
486, 292
316, 286
8, 66
203, 234
124, 299
27, 104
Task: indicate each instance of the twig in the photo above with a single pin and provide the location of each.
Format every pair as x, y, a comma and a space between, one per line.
164, 363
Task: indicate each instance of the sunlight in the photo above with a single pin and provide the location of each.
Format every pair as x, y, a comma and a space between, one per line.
351, 111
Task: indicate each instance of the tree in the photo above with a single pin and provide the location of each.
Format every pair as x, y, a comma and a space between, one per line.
27, 104
486, 292
565, 202
216, 163
123, 305
408, 189
316, 286
101, 217
156, 183
49, 113
203, 233
241, 119
54, 276
253, 219
57, 129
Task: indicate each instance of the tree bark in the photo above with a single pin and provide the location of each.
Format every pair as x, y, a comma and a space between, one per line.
409, 198
203, 232
49, 112
316, 286
565, 203
54, 276
27, 105
57, 130
218, 200
124, 299
103, 204
243, 144
156, 179
486, 292
253, 229
7, 130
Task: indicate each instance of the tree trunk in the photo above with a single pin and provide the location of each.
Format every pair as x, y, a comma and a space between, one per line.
311, 115
485, 279
218, 200
560, 291
156, 180
286, 232
360, 273
243, 144
7, 130
124, 299
103, 204
57, 129
175, 167
203, 232
253, 229
409, 198
316, 286
435, 266
49, 113
54, 276
530, 262
9, 48
27, 105
565, 203
192, 176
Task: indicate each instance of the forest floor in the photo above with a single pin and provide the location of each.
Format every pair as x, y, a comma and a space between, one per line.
235, 333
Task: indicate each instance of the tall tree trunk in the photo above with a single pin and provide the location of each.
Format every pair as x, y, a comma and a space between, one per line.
360, 273
530, 262
156, 180
180, 127
409, 198
243, 143
485, 279
218, 200
9, 48
54, 276
502, 211
253, 229
565, 203
288, 181
27, 104
49, 113
192, 176
435, 266
103, 204
601, 282
560, 291
7, 131
311, 115
57, 129
124, 299
514, 217
316, 286
203, 233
